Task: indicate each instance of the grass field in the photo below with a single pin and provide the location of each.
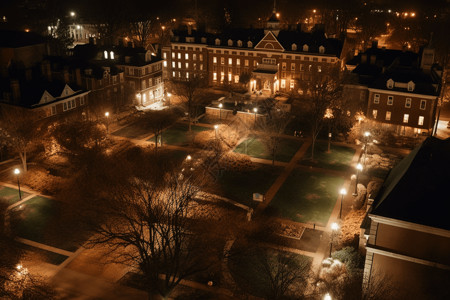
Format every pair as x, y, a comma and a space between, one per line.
255, 147
338, 159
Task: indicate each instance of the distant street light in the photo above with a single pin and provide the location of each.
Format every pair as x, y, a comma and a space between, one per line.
17, 172
255, 110
168, 98
220, 111
215, 130
334, 228
359, 168
329, 142
72, 14
343, 192
327, 297
107, 122
188, 157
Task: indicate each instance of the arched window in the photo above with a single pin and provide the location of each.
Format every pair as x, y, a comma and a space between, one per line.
239, 43
249, 44
105, 53
390, 84
230, 43
217, 42
322, 49
294, 47
305, 48
111, 54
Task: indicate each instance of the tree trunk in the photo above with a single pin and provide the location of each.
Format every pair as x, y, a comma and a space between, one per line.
313, 143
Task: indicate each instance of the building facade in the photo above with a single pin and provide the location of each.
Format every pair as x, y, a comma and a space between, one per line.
266, 60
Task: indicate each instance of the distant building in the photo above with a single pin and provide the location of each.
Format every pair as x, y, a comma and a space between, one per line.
400, 88
143, 73
408, 225
274, 59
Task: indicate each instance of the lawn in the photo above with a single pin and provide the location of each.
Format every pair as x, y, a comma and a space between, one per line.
338, 159
178, 134
307, 197
132, 131
255, 147
11, 195
240, 186
248, 268
39, 220
44, 255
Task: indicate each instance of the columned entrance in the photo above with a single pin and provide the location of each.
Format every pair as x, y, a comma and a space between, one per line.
264, 80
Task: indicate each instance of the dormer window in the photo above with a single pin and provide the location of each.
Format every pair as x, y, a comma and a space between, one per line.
111, 54
217, 42
230, 43
305, 48
390, 84
148, 56
411, 86
249, 44
239, 43
321, 49
294, 47
203, 40
105, 54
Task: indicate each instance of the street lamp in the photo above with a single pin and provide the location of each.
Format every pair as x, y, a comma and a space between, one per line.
215, 130
17, 172
366, 134
107, 122
359, 168
334, 228
255, 110
168, 98
72, 14
327, 297
329, 142
220, 111
188, 157
343, 192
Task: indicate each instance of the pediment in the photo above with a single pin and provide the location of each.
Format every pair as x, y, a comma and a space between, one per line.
46, 97
67, 91
269, 42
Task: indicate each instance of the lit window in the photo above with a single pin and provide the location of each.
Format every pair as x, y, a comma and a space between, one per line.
201, 57
283, 83
165, 64
186, 56
105, 53
238, 61
173, 54
187, 65
201, 67
246, 62
230, 61
173, 64
215, 60
111, 55
215, 76
374, 113
423, 104
187, 75
376, 98
179, 55
319, 68
388, 115
229, 77
236, 78
405, 118
165, 55
390, 100
222, 60
194, 56
292, 84
173, 74
222, 76
408, 103
421, 118
179, 65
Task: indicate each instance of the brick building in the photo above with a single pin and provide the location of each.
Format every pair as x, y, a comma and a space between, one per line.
274, 59
408, 226
400, 89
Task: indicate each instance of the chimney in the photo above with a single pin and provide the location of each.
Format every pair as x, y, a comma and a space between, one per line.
15, 89
375, 44
78, 76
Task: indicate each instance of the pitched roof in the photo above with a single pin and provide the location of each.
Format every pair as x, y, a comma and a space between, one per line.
416, 190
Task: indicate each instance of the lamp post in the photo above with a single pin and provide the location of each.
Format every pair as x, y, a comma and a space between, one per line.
17, 172
220, 111
215, 130
168, 98
359, 168
255, 110
343, 192
366, 134
327, 297
107, 122
334, 228
329, 142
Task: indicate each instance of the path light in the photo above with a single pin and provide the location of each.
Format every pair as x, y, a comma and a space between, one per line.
107, 122
188, 157
327, 297
359, 168
220, 111
334, 229
343, 192
215, 129
17, 173
255, 110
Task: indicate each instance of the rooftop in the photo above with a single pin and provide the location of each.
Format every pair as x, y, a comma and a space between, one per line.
416, 189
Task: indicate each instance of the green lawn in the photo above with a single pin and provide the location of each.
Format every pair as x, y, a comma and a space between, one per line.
307, 197
11, 195
248, 268
40, 220
132, 131
255, 147
339, 158
178, 134
240, 186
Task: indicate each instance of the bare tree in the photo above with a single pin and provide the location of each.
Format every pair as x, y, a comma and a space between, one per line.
271, 130
141, 30
143, 214
322, 92
157, 121
190, 91
19, 127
